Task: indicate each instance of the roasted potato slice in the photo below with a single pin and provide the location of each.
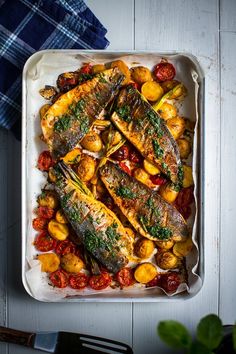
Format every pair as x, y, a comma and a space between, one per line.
184, 148
168, 192
167, 111
145, 272
71, 263
92, 142
182, 249
167, 260
188, 176
48, 92
49, 262
58, 230
86, 168
152, 91
141, 74
144, 248
48, 199
176, 126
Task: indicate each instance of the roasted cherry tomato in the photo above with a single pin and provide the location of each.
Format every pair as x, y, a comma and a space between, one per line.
154, 282
184, 210
135, 85
65, 247
124, 167
45, 212
170, 281
185, 197
134, 156
121, 154
45, 161
59, 279
164, 71
78, 281
100, 282
44, 242
67, 81
125, 277
158, 180
86, 69
40, 223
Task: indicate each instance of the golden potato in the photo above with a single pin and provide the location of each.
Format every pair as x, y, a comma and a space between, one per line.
98, 68
165, 245
52, 175
115, 137
123, 68
49, 262
92, 142
181, 249
43, 110
71, 263
142, 176
152, 91
188, 176
167, 260
144, 248
48, 199
86, 168
167, 111
57, 230
176, 126
145, 272
141, 74
150, 168
168, 192
73, 156
60, 217
184, 148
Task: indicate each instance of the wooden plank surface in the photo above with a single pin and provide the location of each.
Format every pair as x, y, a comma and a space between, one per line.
228, 179
197, 34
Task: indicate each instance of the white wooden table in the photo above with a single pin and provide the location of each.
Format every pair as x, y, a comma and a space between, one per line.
207, 29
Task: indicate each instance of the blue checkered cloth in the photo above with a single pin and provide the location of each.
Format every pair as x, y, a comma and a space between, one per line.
29, 25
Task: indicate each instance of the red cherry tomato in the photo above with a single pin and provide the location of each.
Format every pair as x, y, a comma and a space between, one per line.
78, 281
45, 212
154, 282
135, 85
185, 211
124, 167
59, 279
45, 161
125, 277
100, 282
170, 281
40, 224
158, 180
134, 156
44, 242
86, 69
164, 71
185, 197
121, 154
65, 247
67, 82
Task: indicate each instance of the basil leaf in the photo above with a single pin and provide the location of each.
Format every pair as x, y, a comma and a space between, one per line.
199, 348
234, 337
174, 334
210, 331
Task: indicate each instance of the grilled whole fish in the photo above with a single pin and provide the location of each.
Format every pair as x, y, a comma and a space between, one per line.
145, 209
69, 119
96, 226
147, 131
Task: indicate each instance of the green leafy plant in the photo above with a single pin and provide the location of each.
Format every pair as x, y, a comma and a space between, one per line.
209, 335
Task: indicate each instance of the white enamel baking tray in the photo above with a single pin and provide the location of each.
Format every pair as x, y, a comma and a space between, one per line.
42, 68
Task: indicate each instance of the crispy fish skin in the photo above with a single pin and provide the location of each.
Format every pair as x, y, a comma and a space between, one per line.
96, 226
145, 209
69, 119
147, 131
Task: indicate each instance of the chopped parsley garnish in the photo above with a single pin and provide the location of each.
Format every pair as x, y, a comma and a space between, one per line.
159, 152
124, 113
95, 240
84, 77
101, 78
156, 230
112, 233
155, 121
84, 124
74, 214
63, 124
125, 192
65, 199
180, 173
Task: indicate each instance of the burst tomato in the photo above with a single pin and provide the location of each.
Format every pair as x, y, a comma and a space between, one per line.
100, 282
154, 282
40, 223
135, 85
59, 279
45, 161
67, 81
65, 247
185, 197
158, 180
86, 69
125, 277
121, 154
185, 211
78, 281
44, 242
164, 71
124, 167
170, 281
134, 156
45, 212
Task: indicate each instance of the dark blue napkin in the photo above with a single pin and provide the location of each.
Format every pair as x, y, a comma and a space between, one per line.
30, 25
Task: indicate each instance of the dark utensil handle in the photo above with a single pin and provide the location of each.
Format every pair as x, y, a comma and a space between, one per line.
17, 337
